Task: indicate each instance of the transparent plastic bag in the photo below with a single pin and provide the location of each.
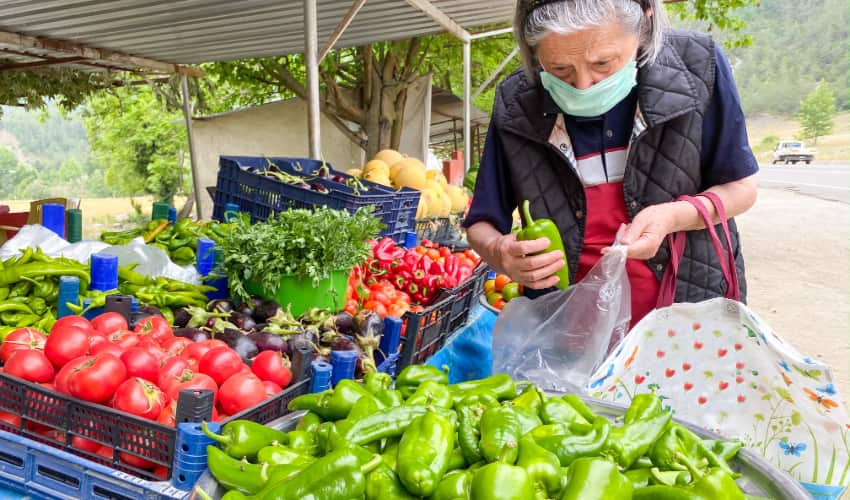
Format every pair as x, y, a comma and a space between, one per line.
558, 340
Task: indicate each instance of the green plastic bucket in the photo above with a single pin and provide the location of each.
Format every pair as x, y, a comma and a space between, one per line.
301, 295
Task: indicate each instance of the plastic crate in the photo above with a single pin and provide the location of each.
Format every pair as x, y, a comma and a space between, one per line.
42, 410
262, 196
465, 296
436, 229
425, 333
405, 200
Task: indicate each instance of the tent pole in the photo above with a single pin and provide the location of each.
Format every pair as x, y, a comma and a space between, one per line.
467, 103
187, 115
311, 60
496, 72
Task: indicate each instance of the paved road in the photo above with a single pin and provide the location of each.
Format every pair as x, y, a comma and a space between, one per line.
829, 181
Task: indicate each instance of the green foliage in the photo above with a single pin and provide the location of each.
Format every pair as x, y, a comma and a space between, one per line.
35, 88
817, 112
135, 137
720, 14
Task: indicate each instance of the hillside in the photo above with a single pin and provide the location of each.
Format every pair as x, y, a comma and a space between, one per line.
765, 130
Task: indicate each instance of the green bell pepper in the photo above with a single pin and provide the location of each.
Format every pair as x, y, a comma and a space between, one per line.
334, 404
595, 479
424, 453
388, 423
543, 466
502, 386
383, 484
500, 481
643, 406
545, 228
431, 393
243, 438
390, 398
631, 441
309, 422
277, 454
412, 376
377, 382
454, 486
303, 442
469, 413
556, 410
569, 448
500, 434
714, 485
530, 398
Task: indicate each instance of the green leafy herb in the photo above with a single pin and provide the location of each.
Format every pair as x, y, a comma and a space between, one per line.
309, 244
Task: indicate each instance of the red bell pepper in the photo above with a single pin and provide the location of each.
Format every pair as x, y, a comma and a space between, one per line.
434, 281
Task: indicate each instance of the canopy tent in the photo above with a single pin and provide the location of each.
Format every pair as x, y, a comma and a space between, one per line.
163, 37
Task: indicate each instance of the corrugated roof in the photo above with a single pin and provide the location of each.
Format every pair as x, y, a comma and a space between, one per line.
196, 31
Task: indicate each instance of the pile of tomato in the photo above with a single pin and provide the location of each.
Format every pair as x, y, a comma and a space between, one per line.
140, 371
501, 290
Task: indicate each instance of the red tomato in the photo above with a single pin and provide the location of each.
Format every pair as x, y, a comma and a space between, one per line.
271, 388
166, 416
169, 369
64, 373
139, 397
153, 348
175, 345
109, 322
156, 327
196, 350
84, 444
107, 348
54, 435
95, 378
189, 380
499, 304
161, 472
377, 307
141, 363
65, 344
12, 420
270, 366
378, 296
31, 365
241, 391
124, 339
96, 339
220, 363
72, 321
22, 338
106, 452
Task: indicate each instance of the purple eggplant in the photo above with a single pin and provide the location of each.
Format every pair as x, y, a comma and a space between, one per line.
323, 172
193, 334
181, 317
319, 188
246, 308
338, 178
220, 305
343, 323
239, 342
265, 310
344, 343
269, 342
369, 327
242, 321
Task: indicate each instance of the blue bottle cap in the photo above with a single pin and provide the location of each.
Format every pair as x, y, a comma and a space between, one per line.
69, 291
491, 275
104, 272
172, 215
231, 210
410, 239
53, 218
205, 258
344, 364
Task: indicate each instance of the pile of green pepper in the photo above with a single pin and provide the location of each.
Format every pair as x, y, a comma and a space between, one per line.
179, 241
29, 289
480, 440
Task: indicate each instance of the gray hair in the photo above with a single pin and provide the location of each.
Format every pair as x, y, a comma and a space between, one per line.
532, 24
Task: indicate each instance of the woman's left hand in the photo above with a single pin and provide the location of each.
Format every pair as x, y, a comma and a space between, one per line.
648, 230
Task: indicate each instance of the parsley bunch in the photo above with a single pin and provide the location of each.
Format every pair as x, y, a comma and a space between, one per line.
309, 244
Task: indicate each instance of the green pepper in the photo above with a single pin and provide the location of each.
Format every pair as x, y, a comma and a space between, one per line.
674, 446
390, 398
383, 484
469, 413
500, 434
457, 460
669, 477
713, 485
236, 474
390, 454
629, 442
38, 306
162, 236
595, 479
183, 256
639, 477
556, 410
528, 419
387, 423
424, 452
183, 227
500, 481
21, 289
309, 422
502, 386
643, 406
580, 406
4, 292
530, 398
542, 466
11, 307
569, 448
243, 438
725, 449
303, 442
377, 382
334, 404
454, 486
5, 331
545, 228
277, 454
413, 375
431, 393
43, 289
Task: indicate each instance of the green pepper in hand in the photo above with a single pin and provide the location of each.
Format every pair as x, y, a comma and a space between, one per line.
545, 228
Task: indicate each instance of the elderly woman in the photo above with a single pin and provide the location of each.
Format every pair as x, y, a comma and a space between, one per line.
614, 117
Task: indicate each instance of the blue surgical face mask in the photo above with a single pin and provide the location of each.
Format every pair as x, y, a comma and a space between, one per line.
595, 100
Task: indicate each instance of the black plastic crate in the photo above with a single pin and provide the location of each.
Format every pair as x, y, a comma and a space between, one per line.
425, 332
465, 296
53, 418
262, 196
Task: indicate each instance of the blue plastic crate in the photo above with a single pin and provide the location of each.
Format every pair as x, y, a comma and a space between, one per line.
262, 196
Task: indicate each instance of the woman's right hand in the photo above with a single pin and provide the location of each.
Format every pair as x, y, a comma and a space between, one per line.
517, 260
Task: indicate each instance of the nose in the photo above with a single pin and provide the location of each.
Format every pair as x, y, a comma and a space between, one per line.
583, 80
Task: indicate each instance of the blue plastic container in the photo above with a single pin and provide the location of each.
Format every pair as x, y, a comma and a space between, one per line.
344, 364
172, 215
205, 258
321, 376
191, 440
53, 218
104, 272
69, 291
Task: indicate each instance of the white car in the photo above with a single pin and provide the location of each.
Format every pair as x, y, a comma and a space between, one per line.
792, 152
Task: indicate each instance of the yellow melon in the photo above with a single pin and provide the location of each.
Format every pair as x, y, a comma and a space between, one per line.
394, 170
458, 197
434, 201
388, 156
436, 186
422, 209
378, 177
356, 172
438, 176
376, 166
445, 204
411, 176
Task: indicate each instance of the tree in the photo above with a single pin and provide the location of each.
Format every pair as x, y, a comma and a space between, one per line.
817, 112
141, 143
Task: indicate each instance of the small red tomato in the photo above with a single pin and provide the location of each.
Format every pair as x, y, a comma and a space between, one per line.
161, 472
109, 322
106, 452
22, 338
96, 339
134, 461
271, 366
196, 350
31, 365
156, 327
190, 380
11, 419
241, 391
166, 416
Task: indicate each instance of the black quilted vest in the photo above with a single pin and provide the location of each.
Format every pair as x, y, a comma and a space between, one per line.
663, 158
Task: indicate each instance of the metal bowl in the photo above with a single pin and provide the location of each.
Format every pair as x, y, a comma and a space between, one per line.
758, 477
487, 305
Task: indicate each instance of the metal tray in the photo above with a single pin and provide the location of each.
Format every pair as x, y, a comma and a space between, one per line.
483, 301
759, 477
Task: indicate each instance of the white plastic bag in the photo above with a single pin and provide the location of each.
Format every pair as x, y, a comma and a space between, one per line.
559, 339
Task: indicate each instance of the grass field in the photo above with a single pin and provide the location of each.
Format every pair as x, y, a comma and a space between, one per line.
765, 131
